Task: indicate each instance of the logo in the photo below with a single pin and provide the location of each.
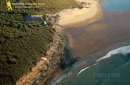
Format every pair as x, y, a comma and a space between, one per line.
8, 3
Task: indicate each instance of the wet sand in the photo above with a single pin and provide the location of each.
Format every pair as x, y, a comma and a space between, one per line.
97, 35
100, 25
93, 40
92, 16
101, 34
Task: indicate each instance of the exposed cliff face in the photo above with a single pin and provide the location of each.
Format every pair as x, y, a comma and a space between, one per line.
58, 57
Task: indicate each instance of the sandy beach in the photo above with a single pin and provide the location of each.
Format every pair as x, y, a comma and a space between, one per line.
97, 36
94, 40
76, 15
79, 17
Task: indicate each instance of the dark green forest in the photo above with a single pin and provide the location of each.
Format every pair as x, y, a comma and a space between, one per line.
44, 6
21, 46
23, 43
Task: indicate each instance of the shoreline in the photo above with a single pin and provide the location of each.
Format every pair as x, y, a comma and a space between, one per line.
71, 17
79, 68
48, 64
85, 14
115, 49
89, 15
106, 47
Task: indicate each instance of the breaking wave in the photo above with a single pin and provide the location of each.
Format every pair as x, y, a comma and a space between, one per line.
122, 50
61, 78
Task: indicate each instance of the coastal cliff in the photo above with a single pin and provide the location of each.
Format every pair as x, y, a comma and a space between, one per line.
23, 43
57, 57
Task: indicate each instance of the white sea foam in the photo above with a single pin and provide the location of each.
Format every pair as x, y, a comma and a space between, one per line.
84, 69
61, 78
68, 74
122, 50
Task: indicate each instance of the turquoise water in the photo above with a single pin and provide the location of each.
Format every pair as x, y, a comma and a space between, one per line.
111, 69
116, 4
114, 70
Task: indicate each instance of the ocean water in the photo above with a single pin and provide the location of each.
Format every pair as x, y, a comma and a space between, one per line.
111, 69
116, 4
114, 67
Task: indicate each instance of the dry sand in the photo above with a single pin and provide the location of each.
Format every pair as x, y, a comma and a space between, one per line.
70, 16
80, 16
